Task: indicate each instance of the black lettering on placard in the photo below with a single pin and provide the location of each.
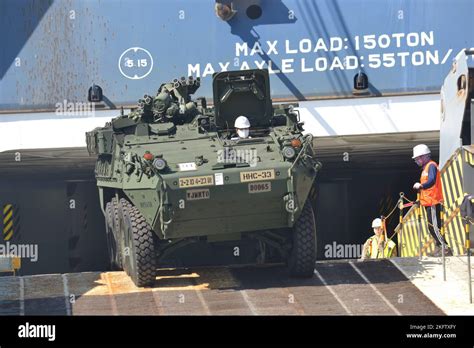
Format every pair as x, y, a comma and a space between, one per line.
260, 187
192, 195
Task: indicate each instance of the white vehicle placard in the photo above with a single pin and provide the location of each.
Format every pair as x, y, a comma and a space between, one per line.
219, 178
185, 167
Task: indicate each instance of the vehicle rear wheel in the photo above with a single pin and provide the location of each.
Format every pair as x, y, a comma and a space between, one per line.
139, 256
113, 246
302, 259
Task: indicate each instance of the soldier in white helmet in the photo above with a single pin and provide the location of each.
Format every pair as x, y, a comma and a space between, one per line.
378, 246
242, 127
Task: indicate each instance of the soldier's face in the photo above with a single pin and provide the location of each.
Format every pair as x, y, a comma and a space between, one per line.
243, 132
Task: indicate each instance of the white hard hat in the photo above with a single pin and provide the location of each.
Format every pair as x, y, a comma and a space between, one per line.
420, 150
377, 223
242, 122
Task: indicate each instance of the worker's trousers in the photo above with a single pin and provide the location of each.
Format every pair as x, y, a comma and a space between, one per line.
434, 223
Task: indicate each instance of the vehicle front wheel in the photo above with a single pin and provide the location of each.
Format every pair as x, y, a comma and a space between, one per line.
139, 256
302, 258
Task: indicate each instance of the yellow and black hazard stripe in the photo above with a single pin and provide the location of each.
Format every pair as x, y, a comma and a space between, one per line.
468, 175
8, 221
467, 231
451, 179
454, 233
408, 234
469, 157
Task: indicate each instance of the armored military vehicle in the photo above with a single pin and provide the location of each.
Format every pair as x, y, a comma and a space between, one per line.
173, 171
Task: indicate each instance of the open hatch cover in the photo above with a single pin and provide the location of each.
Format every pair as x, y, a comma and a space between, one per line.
244, 92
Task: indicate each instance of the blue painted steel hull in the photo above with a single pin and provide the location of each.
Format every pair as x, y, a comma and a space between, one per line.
55, 50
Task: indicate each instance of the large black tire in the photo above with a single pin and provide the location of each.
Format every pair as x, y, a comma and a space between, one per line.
111, 230
302, 259
139, 260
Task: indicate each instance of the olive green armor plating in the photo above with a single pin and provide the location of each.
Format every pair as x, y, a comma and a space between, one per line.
173, 171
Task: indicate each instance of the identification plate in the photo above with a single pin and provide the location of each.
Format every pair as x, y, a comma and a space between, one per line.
183, 167
194, 181
194, 195
219, 178
258, 187
257, 175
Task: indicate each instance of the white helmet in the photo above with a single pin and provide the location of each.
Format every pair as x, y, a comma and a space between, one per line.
377, 223
420, 150
242, 122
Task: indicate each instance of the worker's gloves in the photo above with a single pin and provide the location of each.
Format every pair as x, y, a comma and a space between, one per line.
417, 186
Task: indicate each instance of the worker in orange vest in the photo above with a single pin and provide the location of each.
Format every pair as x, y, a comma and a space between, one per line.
431, 194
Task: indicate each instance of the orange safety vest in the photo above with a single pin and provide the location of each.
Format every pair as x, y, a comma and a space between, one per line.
434, 194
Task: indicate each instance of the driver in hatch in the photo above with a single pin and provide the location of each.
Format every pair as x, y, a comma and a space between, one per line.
242, 127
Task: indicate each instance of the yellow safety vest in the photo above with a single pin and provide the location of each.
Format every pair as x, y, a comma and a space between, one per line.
374, 252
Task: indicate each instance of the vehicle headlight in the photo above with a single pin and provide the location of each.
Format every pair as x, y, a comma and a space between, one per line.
296, 143
288, 152
159, 163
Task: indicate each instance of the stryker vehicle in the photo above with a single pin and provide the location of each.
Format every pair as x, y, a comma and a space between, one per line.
173, 171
